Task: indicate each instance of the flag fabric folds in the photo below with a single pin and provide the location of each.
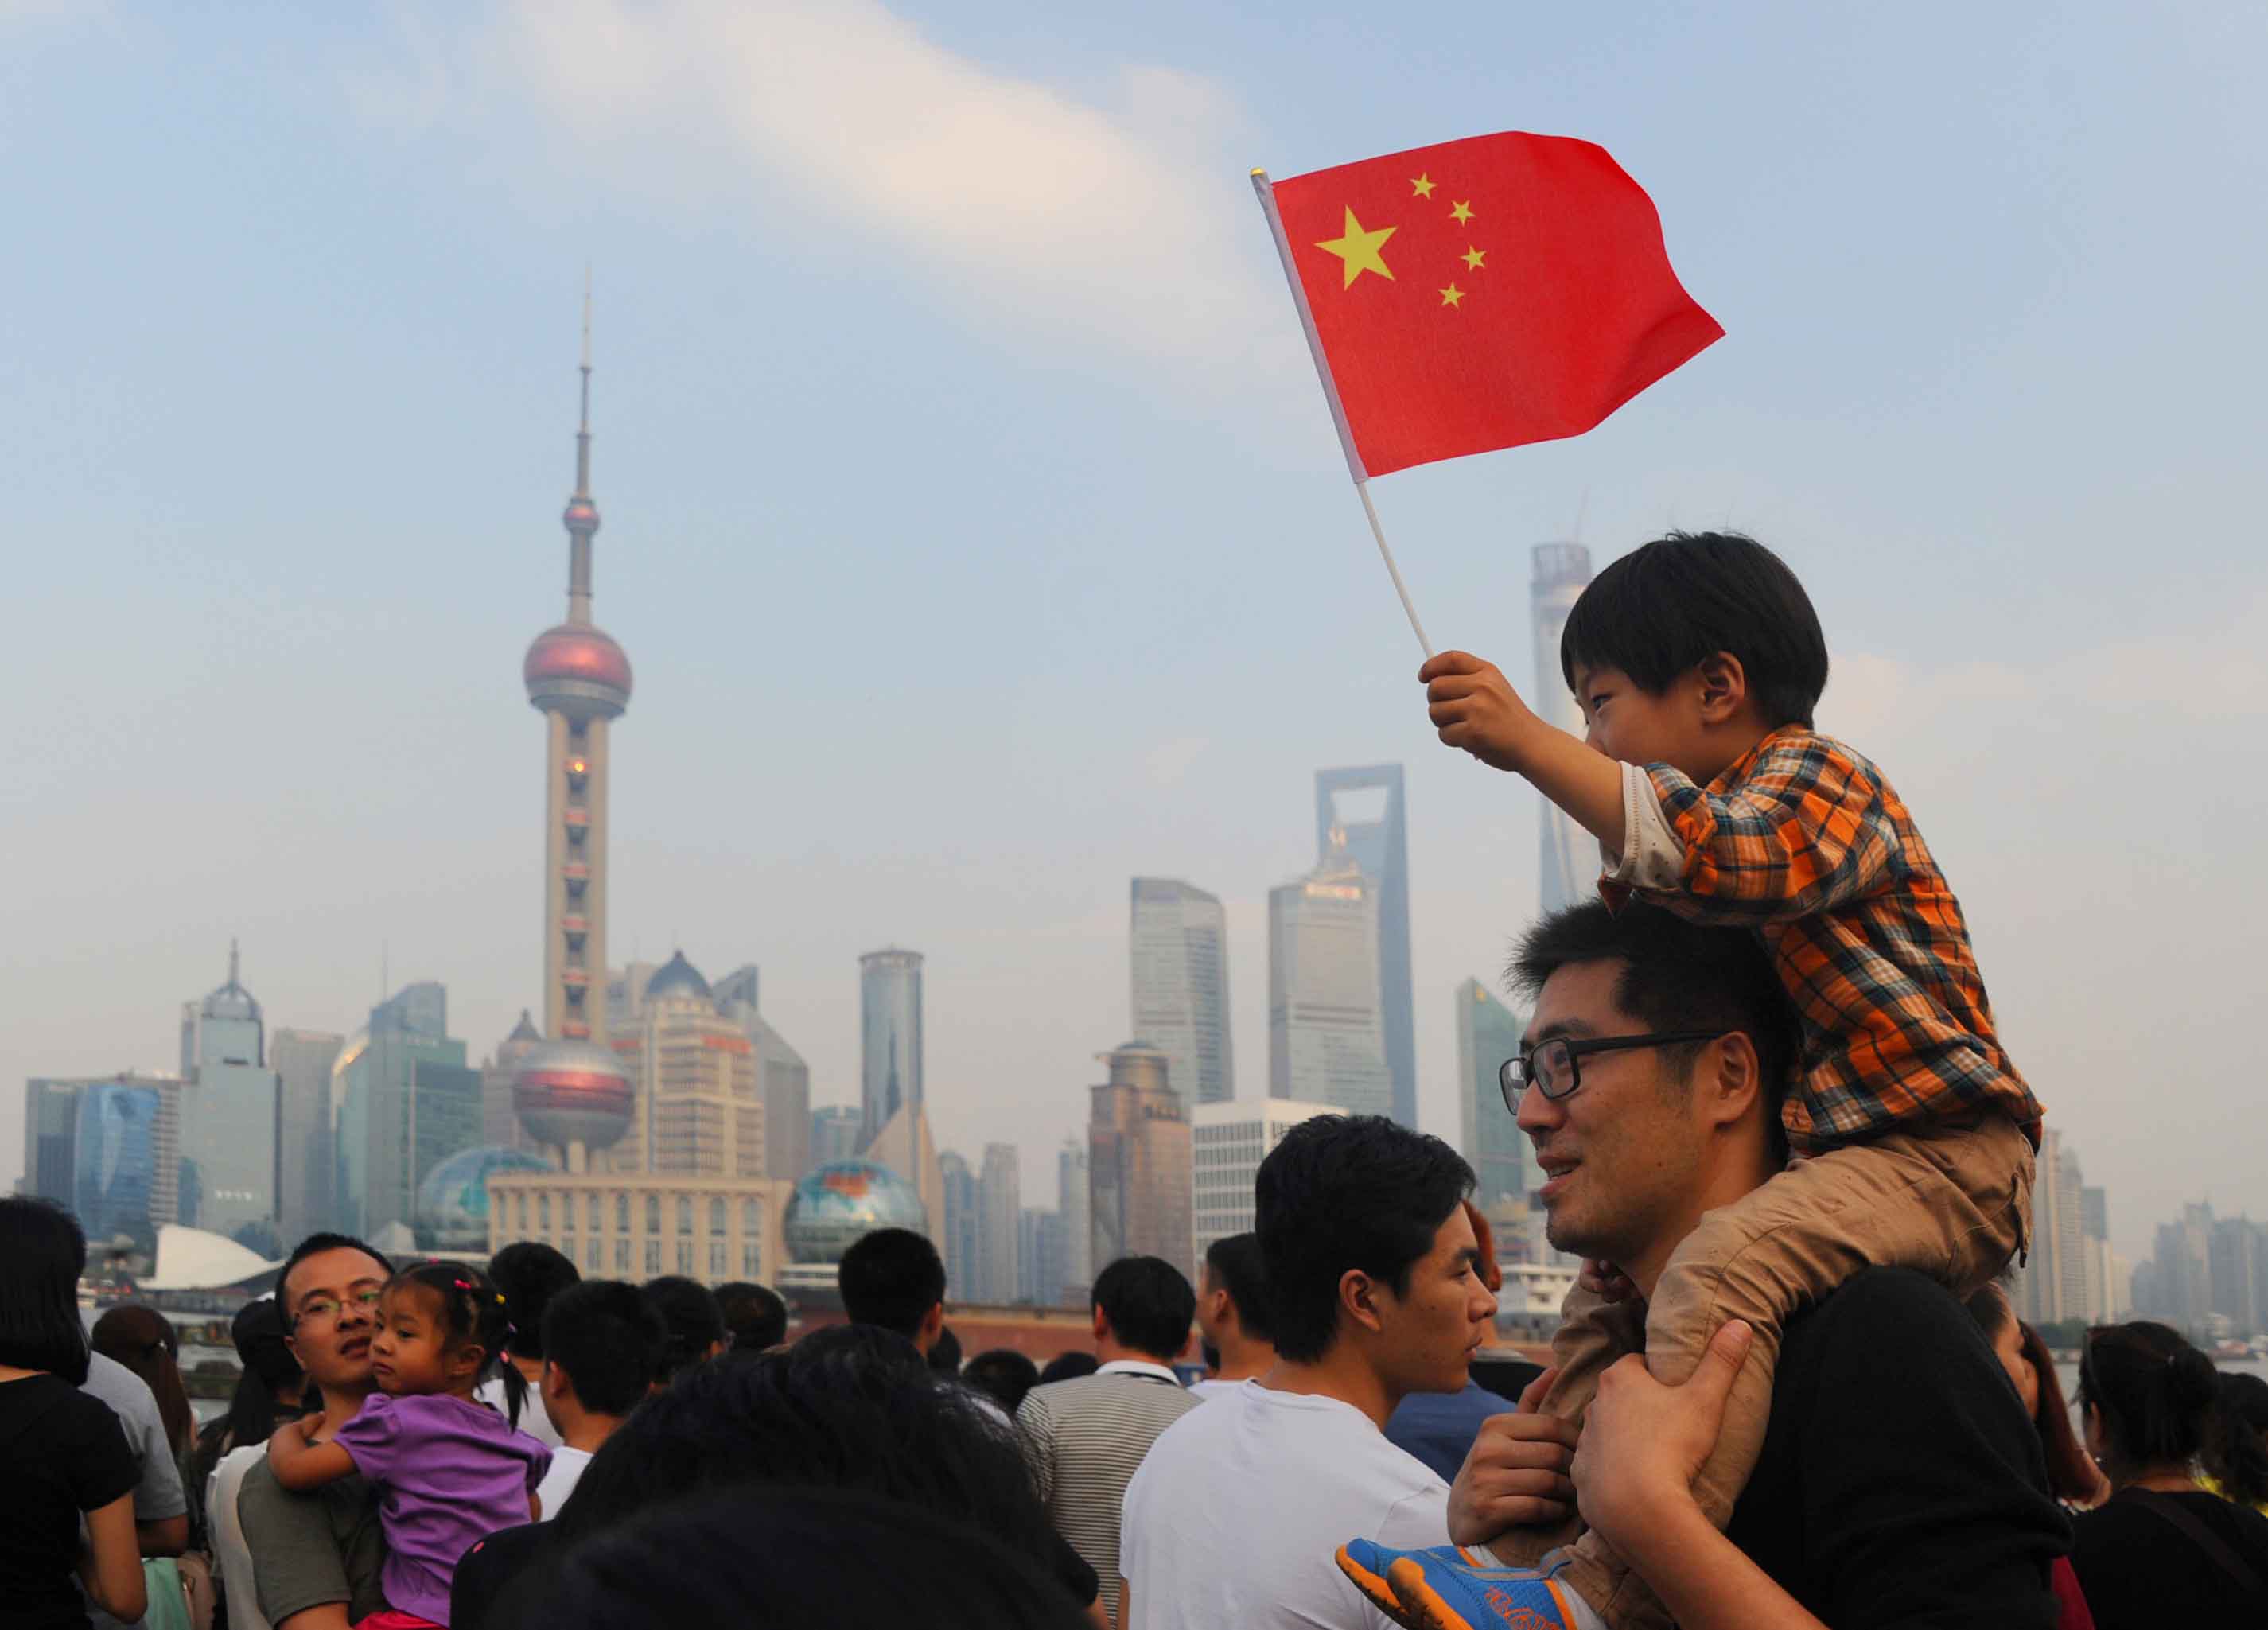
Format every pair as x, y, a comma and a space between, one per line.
1483, 293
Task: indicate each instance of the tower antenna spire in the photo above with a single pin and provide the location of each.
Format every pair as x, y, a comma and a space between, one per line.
232, 959
582, 515
582, 429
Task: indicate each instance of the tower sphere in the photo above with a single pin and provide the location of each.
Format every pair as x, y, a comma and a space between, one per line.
569, 1092
579, 671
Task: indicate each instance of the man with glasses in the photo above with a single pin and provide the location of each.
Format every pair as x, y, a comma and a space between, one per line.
316, 1557
1900, 1482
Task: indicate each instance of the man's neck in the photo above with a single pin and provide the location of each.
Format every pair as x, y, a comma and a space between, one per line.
341, 1402
1339, 1374
1241, 1360
1109, 1350
582, 1429
1737, 1172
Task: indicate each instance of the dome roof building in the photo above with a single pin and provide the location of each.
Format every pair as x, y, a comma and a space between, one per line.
840, 1202
452, 1202
679, 980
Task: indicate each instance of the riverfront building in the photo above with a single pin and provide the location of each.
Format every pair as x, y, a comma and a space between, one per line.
1179, 960
1326, 1040
1374, 834
1227, 1142
1138, 1161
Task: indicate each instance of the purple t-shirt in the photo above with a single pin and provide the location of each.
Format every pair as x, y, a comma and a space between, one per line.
449, 1473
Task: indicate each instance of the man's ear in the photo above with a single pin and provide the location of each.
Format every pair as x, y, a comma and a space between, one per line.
1733, 1082
1100, 1325
1360, 1297
1724, 687
933, 1324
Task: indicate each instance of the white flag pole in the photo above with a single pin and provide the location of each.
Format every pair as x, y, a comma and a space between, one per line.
1267, 196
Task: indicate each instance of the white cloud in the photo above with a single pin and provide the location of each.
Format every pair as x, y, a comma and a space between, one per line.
1123, 218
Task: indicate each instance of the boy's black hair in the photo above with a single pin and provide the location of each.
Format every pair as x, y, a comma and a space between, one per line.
1676, 975
1670, 605
608, 1339
754, 1314
1344, 1191
1069, 1367
315, 1245
690, 1320
892, 1277
42, 1253
1149, 1304
1003, 1374
530, 1273
1235, 1264
473, 1314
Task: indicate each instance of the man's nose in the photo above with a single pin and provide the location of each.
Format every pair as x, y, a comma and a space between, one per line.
1537, 1113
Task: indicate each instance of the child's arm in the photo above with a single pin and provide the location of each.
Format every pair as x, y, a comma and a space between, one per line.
1474, 707
299, 1465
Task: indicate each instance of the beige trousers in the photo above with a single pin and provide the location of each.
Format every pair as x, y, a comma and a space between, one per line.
1954, 1201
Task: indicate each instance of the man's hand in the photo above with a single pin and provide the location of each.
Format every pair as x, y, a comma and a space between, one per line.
1604, 1280
1644, 1443
1474, 707
1516, 1473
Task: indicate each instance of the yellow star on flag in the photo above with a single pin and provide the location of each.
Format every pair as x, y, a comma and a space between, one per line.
1462, 212
1359, 250
1451, 295
1476, 258
1423, 187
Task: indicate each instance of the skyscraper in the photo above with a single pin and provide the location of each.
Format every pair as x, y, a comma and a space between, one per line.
890, 1038
1138, 1161
835, 1134
119, 1146
1503, 1161
405, 1100
956, 1238
1179, 960
228, 1114
1000, 1207
1568, 861
305, 1159
1075, 1199
699, 1113
51, 1138
1379, 845
1326, 1042
579, 679
782, 1077
1227, 1142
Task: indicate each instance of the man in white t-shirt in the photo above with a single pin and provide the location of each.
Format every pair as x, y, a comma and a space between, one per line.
1237, 1513
602, 1343
1232, 1314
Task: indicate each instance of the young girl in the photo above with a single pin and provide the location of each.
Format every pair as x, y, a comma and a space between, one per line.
449, 1471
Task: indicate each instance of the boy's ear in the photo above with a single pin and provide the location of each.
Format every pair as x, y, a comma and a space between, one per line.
1724, 687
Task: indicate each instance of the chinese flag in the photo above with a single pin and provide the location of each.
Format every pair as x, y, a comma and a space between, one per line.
1484, 293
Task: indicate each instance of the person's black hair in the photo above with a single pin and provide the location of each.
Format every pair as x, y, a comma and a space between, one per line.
1676, 975
1669, 606
2236, 1446
1235, 1264
473, 1314
688, 1564
944, 1353
755, 1315
607, 1337
846, 1408
689, 1317
2154, 1393
1002, 1375
530, 1273
42, 1253
1069, 1367
1347, 1192
254, 1412
892, 1277
315, 1245
1148, 1303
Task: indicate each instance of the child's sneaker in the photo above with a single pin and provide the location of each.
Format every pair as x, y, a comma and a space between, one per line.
1449, 1588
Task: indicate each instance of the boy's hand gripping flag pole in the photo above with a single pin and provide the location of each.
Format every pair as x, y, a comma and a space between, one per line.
1533, 298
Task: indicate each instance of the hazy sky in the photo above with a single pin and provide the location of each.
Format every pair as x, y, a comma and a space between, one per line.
978, 535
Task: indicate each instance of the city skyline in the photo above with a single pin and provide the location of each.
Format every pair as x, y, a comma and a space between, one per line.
292, 485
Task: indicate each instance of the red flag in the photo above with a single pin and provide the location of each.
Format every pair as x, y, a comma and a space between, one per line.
1483, 294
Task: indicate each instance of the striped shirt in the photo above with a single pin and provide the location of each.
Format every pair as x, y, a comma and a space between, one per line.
1804, 842
1085, 1439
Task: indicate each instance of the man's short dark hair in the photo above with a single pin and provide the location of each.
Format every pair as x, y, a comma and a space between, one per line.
315, 1245
1068, 1366
689, 1320
1676, 975
1345, 1191
42, 1253
1149, 1304
754, 1314
1002, 1375
1235, 1265
530, 1273
607, 1338
1670, 605
892, 1277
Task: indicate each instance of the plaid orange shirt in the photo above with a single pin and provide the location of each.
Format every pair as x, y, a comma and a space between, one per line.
1803, 841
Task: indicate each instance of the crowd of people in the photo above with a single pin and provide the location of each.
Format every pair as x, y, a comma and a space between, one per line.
1762, 1080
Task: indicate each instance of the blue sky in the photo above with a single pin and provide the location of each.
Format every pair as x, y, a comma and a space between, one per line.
977, 533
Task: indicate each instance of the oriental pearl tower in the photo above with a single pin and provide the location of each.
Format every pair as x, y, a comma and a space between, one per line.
569, 1093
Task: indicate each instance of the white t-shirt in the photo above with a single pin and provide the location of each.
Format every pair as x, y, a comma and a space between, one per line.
559, 1482
228, 1548
534, 1420
1240, 1507
1208, 1388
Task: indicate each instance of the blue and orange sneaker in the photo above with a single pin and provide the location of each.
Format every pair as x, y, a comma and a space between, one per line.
1451, 1588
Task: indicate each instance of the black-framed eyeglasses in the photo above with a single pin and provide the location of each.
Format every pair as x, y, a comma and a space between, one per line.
1555, 1067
